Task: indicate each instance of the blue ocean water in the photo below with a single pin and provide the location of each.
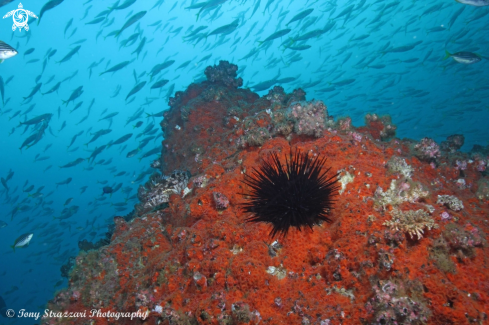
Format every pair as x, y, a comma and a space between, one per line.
384, 57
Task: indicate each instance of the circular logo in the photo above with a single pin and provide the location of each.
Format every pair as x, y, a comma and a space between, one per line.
10, 313
20, 18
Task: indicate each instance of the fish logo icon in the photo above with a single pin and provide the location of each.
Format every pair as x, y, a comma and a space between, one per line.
20, 17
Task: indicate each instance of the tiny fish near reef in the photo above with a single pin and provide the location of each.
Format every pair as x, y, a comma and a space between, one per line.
297, 194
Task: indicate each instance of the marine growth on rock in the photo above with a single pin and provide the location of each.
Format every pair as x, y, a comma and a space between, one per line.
406, 243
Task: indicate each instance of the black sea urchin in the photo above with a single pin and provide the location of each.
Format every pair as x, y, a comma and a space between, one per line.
295, 195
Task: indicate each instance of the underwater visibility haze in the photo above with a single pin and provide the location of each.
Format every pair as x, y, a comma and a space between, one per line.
140, 138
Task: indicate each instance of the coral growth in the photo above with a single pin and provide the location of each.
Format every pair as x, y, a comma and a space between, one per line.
392, 305
453, 143
412, 222
255, 137
399, 165
379, 127
158, 189
463, 240
224, 73
427, 149
451, 201
85, 245
400, 192
185, 255
222, 202
483, 189
309, 117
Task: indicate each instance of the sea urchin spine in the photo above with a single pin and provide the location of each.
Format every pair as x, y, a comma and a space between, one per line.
298, 194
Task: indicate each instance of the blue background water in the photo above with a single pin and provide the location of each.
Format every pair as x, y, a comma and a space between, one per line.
428, 97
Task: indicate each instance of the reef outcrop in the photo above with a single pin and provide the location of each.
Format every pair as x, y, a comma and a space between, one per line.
408, 242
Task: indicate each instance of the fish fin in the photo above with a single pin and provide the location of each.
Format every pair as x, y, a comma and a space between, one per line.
447, 55
1, 61
13, 247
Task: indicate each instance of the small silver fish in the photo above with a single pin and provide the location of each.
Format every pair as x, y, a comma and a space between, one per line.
22, 241
463, 57
475, 3
6, 51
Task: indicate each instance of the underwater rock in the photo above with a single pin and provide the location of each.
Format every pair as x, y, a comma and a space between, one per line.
379, 127
66, 268
158, 189
451, 201
453, 143
222, 202
277, 96
393, 303
427, 149
85, 245
188, 256
224, 73
309, 117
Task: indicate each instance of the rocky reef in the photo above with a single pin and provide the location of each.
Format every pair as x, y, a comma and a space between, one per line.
407, 244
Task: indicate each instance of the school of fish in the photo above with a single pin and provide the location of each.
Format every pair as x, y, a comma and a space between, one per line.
84, 90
